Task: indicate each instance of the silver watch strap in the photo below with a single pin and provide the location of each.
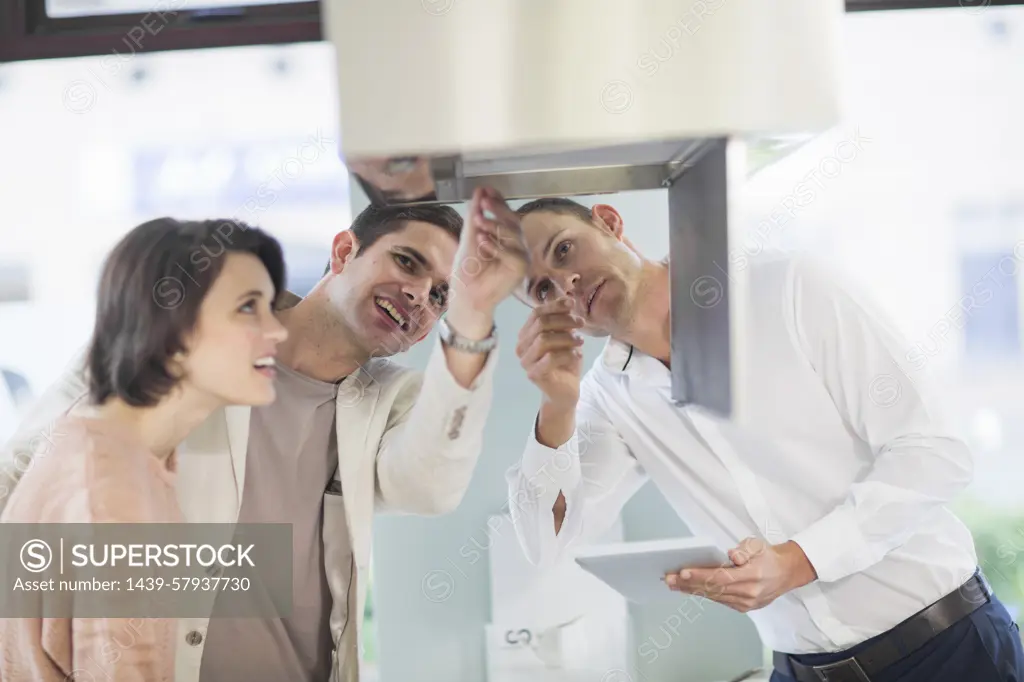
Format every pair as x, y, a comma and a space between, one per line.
452, 338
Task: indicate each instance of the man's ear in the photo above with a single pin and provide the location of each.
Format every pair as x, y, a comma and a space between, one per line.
608, 219
343, 249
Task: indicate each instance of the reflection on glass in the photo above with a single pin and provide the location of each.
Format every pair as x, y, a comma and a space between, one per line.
84, 8
396, 180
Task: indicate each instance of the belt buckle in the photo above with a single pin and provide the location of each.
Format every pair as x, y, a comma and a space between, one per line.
848, 670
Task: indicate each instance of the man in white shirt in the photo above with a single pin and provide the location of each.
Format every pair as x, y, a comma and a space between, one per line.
832, 495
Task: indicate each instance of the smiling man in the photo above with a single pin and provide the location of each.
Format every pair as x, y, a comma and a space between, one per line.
831, 498
350, 433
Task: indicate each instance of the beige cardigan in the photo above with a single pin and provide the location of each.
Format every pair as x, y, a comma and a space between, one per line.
94, 474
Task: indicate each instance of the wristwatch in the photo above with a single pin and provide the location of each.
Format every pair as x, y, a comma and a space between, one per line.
452, 338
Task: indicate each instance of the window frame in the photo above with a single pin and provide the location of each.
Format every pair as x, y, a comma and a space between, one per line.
27, 32
973, 6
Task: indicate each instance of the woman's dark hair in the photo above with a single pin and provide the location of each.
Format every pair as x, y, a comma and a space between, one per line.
150, 292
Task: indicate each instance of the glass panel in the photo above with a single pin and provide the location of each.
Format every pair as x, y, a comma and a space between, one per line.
83, 8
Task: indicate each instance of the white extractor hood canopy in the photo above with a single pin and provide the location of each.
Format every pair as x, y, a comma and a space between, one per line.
494, 80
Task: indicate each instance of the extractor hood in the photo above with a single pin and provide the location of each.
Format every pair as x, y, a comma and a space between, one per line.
578, 97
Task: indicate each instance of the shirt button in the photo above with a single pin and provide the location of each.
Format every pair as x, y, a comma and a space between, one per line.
194, 638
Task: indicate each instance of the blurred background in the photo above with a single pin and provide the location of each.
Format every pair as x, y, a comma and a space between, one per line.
919, 193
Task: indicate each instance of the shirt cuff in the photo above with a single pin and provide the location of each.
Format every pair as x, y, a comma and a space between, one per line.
835, 546
549, 471
437, 371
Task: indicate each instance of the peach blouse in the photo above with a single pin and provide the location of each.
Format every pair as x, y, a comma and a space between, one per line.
91, 471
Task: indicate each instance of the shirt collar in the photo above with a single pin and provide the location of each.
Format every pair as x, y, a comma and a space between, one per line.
617, 356
299, 386
623, 358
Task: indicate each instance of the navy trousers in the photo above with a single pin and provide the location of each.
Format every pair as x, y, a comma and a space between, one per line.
983, 647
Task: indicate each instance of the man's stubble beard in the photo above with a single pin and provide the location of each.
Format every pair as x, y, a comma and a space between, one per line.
625, 311
335, 328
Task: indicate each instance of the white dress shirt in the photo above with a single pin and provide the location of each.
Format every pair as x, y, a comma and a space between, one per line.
841, 451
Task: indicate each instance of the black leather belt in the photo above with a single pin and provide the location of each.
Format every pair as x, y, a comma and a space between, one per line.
897, 643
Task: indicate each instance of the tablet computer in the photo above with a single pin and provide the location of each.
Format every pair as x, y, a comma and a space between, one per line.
636, 570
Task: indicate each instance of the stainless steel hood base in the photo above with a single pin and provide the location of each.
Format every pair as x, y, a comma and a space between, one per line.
458, 186
702, 293
452, 179
546, 173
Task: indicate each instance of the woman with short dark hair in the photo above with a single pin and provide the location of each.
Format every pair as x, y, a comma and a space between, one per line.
184, 326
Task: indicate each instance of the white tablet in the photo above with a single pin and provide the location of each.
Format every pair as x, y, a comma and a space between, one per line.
636, 570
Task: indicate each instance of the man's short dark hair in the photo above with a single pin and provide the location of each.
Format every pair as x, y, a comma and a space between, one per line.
150, 291
556, 205
376, 221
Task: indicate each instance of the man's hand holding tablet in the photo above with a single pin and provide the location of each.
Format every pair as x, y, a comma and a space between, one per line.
637, 570
760, 574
